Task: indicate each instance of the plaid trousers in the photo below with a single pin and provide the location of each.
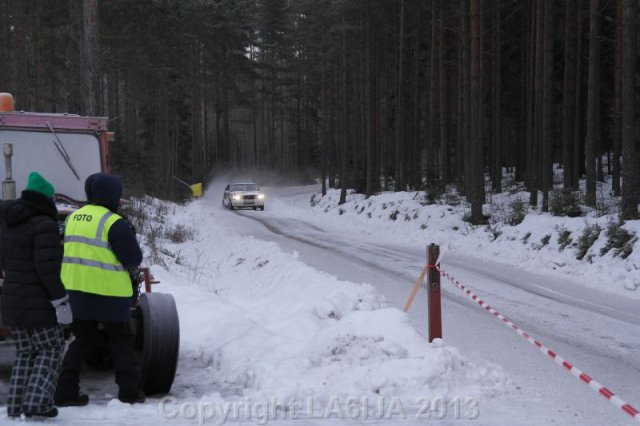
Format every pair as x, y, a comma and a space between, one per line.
35, 371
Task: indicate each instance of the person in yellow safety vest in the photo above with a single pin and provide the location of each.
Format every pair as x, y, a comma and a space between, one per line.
100, 247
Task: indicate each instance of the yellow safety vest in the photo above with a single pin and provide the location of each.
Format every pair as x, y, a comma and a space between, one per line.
88, 264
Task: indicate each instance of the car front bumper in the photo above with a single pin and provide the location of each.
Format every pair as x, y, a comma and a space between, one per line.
247, 203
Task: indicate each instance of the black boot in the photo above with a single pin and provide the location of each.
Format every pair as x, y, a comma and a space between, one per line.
51, 413
80, 400
131, 397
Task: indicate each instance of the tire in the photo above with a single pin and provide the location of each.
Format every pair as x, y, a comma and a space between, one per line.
157, 341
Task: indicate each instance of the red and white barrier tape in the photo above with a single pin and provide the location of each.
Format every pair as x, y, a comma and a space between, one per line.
613, 398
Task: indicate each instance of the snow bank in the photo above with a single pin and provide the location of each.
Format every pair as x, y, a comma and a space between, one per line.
264, 325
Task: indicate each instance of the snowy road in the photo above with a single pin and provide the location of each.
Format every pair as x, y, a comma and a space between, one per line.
596, 331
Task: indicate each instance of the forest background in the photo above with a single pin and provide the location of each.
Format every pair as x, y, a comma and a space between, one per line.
366, 94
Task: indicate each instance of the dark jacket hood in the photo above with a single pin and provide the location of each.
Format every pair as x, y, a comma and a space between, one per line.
104, 190
32, 203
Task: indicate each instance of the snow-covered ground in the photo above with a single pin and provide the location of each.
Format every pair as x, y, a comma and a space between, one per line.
269, 338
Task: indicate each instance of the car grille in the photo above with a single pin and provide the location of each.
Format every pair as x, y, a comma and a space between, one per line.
249, 197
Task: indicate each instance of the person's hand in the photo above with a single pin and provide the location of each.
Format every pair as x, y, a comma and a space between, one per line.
63, 310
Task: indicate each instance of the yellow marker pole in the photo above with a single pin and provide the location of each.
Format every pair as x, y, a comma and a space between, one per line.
415, 289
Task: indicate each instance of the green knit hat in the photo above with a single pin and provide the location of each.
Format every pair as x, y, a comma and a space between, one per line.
39, 184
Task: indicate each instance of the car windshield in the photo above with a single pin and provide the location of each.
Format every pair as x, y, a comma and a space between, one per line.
243, 187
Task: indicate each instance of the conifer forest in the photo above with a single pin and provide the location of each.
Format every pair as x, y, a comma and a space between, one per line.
369, 95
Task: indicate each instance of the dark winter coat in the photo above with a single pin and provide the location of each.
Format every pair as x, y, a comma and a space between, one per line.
105, 190
31, 256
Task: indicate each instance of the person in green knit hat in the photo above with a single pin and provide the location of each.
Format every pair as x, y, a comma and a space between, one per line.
34, 301
39, 184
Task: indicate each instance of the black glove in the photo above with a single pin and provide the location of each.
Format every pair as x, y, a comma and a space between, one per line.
63, 310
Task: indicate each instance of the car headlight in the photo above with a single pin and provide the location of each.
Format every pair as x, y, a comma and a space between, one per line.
237, 197
260, 196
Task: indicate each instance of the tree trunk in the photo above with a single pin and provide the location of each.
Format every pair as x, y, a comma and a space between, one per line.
477, 160
21, 57
569, 95
496, 176
39, 61
226, 130
522, 132
344, 120
466, 97
416, 99
445, 149
547, 101
530, 176
375, 120
578, 140
593, 103
368, 107
536, 154
460, 122
435, 170
617, 104
399, 121
5, 49
630, 142
90, 56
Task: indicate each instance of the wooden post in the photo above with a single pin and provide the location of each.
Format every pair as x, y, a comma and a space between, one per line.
147, 279
414, 291
435, 312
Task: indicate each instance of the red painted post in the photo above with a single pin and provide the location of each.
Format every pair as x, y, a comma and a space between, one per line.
147, 279
433, 286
